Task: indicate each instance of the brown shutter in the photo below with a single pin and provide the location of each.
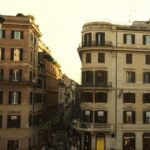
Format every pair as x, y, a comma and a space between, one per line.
12, 54
21, 54
133, 39
1, 74
1, 118
11, 74
1, 97
144, 39
105, 116
3, 34
19, 97
10, 97
2, 52
12, 34
133, 117
144, 116
22, 34
124, 116
124, 39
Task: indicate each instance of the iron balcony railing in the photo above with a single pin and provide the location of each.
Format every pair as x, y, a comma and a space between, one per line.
95, 44
97, 84
99, 126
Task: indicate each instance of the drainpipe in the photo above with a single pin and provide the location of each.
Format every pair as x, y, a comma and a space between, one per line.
116, 101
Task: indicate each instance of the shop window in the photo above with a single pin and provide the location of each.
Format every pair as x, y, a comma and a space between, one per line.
129, 141
12, 145
146, 141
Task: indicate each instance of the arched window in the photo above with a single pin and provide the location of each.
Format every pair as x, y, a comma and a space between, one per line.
129, 141
146, 141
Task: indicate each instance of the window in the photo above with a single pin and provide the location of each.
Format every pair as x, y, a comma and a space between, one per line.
101, 57
87, 39
1, 118
12, 145
15, 75
16, 54
88, 57
130, 77
146, 141
101, 97
17, 35
2, 34
146, 77
129, 116
129, 97
128, 58
100, 78
129, 141
100, 39
100, 116
31, 98
86, 97
129, 39
30, 120
1, 97
147, 59
14, 97
87, 78
146, 39
87, 116
2, 53
146, 117
1, 74
13, 121
146, 98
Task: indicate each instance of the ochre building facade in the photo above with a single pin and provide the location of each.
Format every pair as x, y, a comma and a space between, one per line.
115, 88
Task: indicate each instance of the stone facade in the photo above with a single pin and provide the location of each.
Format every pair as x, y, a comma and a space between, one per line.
26, 72
115, 63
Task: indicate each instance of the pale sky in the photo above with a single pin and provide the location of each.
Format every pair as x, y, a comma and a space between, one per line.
61, 22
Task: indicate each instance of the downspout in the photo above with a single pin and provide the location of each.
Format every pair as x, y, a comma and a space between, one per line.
116, 101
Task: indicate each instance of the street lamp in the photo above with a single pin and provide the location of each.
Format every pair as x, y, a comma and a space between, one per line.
1, 21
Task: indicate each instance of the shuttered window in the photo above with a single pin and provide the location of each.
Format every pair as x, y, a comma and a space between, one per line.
100, 39
128, 58
129, 117
17, 35
88, 57
129, 97
101, 97
147, 59
2, 34
146, 98
101, 57
129, 39
146, 77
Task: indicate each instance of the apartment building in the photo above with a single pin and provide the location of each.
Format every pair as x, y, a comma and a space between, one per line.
24, 82
115, 89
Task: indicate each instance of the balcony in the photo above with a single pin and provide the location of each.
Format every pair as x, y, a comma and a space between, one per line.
104, 127
21, 82
97, 85
95, 44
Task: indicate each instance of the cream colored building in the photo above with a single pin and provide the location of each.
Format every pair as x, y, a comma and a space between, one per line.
115, 89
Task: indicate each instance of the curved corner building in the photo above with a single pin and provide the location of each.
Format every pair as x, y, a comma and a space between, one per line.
115, 89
